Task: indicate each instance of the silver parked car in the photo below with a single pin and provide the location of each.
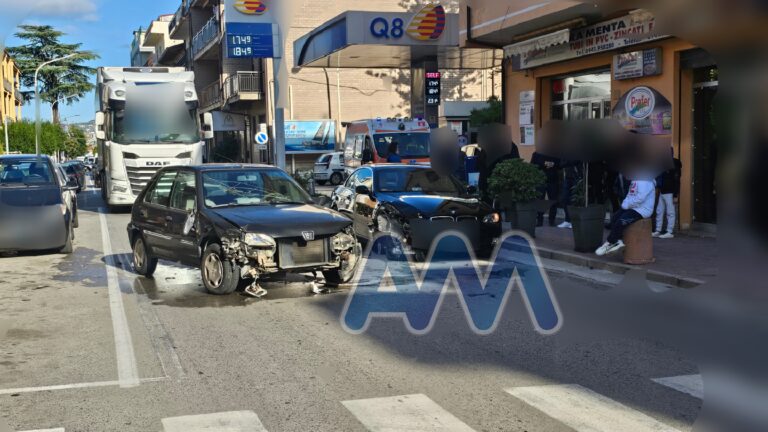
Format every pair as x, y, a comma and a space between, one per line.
36, 208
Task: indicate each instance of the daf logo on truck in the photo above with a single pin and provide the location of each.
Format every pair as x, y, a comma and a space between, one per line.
146, 119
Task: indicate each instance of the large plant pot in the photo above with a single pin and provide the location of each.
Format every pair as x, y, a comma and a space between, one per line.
588, 227
523, 216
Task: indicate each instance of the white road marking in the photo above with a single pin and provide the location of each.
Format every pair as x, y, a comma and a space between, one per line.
414, 412
127, 371
587, 411
690, 384
233, 421
46, 430
72, 386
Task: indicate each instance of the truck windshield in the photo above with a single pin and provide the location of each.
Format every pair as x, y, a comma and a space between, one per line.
410, 145
150, 127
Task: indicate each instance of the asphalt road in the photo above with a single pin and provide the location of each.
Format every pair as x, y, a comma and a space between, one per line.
89, 346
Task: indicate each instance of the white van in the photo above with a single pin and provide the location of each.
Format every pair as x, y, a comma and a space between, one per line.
330, 168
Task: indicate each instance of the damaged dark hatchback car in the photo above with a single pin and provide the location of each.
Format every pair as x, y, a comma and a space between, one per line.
239, 223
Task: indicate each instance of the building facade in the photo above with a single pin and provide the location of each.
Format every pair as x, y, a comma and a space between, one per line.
11, 99
569, 61
238, 92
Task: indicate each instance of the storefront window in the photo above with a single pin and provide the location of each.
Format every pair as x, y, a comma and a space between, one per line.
582, 97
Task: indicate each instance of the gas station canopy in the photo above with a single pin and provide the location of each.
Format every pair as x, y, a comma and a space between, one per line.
370, 40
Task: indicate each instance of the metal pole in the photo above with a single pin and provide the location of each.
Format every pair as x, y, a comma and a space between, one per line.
279, 119
5, 130
37, 99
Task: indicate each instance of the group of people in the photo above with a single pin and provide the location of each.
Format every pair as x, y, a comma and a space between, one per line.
631, 199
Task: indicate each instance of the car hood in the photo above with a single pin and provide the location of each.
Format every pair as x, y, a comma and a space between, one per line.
410, 205
285, 220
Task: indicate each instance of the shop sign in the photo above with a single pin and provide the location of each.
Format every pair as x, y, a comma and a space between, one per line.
644, 110
601, 37
426, 25
637, 64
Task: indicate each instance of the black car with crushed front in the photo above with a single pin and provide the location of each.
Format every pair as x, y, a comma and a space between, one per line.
415, 203
238, 222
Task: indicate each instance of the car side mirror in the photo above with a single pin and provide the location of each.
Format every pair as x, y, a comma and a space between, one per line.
362, 190
189, 224
71, 184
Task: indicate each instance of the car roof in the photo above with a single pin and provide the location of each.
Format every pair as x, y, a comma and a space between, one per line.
23, 156
222, 167
396, 165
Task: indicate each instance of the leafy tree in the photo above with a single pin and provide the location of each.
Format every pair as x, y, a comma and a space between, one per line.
76, 143
21, 136
59, 80
490, 115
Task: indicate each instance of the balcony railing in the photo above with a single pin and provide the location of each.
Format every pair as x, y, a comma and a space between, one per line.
211, 95
205, 36
19, 97
249, 84
8, 85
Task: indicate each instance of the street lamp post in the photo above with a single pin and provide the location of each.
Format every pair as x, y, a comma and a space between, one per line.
60, 100
37, 99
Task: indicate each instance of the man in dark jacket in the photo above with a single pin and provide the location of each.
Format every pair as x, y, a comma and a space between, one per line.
669, 190
550, 166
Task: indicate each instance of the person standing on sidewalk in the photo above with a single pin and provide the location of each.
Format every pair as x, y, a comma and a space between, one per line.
571, 175
636, 206
669, 190
551, 190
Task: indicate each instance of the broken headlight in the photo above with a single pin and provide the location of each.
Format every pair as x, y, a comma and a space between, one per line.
259, 241
342, 242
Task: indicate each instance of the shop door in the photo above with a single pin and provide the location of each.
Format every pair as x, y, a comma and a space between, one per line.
704, 154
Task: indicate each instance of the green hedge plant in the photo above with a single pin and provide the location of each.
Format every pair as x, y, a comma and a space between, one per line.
517, 181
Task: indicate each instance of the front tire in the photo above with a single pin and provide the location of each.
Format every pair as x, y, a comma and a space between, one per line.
346, 272
143, 262
336, 179
220, 276
68, 247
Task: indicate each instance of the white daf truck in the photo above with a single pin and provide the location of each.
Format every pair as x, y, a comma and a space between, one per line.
146, 118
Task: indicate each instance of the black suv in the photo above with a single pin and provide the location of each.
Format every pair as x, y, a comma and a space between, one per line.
238, 222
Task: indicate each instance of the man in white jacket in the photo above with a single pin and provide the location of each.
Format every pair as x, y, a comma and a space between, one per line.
636, 206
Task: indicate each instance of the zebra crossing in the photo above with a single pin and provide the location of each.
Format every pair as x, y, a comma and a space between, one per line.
573, 405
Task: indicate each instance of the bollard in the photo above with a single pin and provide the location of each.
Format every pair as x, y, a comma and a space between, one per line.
639, 243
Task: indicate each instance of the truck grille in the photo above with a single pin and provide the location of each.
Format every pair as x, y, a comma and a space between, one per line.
139, 177
298, 253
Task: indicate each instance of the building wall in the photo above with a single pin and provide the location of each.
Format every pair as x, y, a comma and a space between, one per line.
674, 84
10, 77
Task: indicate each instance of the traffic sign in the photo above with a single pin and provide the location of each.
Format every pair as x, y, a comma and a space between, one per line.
262, 138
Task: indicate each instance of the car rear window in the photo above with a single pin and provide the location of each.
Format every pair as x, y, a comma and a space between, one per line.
14, 172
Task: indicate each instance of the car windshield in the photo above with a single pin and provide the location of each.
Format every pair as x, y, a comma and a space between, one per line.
147, 127
421, 181
250, 187
410, 145
32, 171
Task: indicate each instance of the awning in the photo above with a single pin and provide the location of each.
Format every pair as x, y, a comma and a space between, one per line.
538, 43
358, 39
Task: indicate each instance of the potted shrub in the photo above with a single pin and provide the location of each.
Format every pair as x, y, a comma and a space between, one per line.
588, 219
516, 186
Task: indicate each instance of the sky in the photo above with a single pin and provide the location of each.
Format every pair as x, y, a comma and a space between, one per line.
103, 26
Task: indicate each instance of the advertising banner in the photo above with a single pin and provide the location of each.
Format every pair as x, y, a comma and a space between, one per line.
645, 110
310, 136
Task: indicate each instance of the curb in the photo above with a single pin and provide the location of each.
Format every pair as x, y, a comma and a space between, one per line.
619, 268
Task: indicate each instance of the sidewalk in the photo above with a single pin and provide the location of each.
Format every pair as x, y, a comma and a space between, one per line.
685, 261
